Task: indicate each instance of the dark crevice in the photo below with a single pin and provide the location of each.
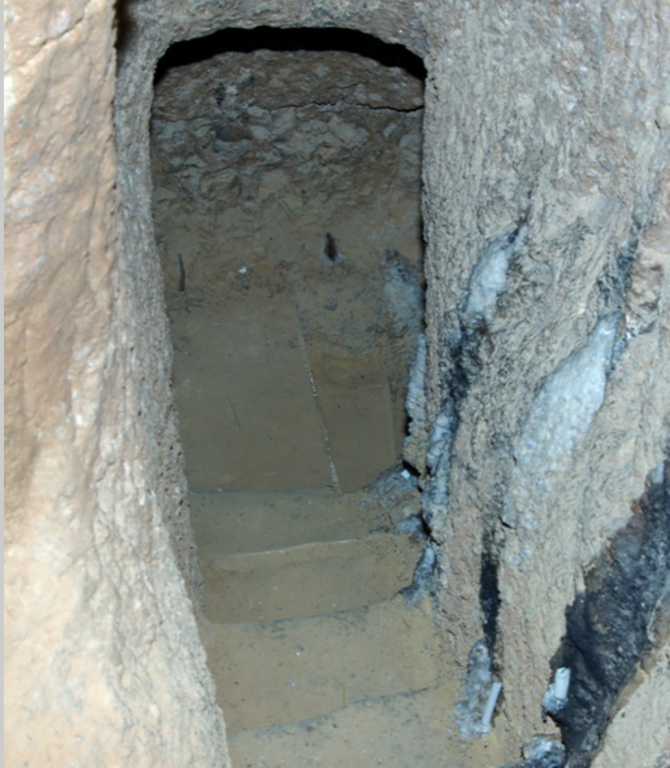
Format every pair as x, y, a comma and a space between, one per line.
465, 364
489, 595
125, 28
610, 625
463, 350
615, 280
290, 40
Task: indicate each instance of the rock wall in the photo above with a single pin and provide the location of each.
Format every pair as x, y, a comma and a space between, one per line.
546, 199
103, 665
255, 159
546, 203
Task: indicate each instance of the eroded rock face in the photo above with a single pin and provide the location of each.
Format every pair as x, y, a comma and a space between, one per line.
258, 154
616, 627
103, 662
549, 401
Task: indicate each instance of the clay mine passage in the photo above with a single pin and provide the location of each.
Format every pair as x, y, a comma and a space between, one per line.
286, 172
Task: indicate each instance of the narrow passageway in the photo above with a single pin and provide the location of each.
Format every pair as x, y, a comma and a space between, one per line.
266, 404
501, 569
286, 171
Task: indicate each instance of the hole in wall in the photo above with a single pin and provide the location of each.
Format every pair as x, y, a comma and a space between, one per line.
286, 172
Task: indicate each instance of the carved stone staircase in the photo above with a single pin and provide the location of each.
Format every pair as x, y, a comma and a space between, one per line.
319, 657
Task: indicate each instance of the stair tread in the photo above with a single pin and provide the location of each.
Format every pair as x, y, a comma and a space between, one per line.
264, 405
404, 730
249, 418
284, 671
355, 400
309, 579
231, 522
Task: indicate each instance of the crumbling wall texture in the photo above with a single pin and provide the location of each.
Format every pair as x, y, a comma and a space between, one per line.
257, 154
547, 213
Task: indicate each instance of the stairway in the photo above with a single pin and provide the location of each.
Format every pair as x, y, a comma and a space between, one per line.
318, 657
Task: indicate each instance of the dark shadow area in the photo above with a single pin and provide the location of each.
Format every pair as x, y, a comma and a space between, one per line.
125, 28
290, 40
489, 594
616, 622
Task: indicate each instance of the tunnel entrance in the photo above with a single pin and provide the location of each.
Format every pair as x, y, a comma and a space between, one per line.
286, 203
286, 172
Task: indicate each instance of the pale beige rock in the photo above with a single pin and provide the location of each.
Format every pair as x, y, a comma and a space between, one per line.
103, 665
639, 733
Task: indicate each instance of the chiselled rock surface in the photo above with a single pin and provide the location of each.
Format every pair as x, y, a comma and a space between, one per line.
103, 665
547, 219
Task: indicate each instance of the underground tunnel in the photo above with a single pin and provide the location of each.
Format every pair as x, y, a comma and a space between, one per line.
235, 245
287, 195
286, 169
286, 172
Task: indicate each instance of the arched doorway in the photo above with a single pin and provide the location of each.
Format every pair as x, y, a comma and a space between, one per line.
286, 169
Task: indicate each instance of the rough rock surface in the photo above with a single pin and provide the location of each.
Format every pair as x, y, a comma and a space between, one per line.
102, 660
550, 117
264, 152
552, 120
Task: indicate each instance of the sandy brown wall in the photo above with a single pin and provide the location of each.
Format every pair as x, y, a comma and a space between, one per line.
546, 204
102, 661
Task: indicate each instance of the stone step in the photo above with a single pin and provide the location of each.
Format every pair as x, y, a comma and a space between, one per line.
248, 416
280, 672
355, 401
308, 580
264, 408
233, 522
406, 730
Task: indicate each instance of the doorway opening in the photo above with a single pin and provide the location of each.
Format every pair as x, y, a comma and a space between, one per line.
286, 171
287, 208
